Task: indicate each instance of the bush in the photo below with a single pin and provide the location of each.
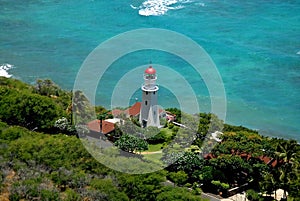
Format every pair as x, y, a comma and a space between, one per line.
71, 195
220, 186
13, 133
252, 195
29, 110
161, 137
170, 126
178, 178
107, 187
47, 195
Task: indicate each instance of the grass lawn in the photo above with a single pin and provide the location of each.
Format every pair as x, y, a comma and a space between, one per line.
154, 147
157, 147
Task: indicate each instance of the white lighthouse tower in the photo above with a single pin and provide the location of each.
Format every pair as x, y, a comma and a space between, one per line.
149, 109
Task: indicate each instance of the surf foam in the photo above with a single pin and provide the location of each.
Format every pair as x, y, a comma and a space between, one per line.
159, 7
4, 68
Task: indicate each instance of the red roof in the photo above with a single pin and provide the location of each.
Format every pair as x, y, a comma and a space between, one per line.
94, 125
134, 110
150, 70
265, 159
107, 127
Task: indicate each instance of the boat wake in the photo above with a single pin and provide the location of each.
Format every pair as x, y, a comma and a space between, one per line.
159, 7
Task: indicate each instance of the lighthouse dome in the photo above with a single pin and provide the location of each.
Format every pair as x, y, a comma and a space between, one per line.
150, 70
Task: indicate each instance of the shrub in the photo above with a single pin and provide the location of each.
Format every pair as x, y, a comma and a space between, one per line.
71, 195
252, 195
13, 133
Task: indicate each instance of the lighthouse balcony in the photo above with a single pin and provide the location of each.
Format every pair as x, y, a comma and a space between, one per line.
149, 82
149, 88
150, 77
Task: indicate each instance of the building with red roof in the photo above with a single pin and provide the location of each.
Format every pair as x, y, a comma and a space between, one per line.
134, 111
147, 111
95, 126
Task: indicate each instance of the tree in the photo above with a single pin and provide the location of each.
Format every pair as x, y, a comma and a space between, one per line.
288, 152
206, 174
268, 183
82, 110
107, 186
129, 127
131, 143
144, 187
179, 178
71, 195
220, 186
102, 116
13, 133
188, 162
156, 136
252, 195
29, 110
47, 87
231, 167
177, 194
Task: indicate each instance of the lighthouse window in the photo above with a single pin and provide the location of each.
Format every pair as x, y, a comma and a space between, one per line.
146, 92
154, 93
146, 102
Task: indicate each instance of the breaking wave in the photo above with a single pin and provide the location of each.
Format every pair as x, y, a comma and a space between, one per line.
4, 68
159, 7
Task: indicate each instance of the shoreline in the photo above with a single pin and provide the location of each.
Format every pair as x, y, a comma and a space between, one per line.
266, 132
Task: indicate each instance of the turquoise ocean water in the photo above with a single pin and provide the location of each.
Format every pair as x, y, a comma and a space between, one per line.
254, 44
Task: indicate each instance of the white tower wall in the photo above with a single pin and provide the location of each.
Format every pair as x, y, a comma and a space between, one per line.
149, 115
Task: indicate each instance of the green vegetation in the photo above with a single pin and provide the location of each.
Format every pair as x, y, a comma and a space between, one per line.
41, 158
131, 143
155, 147
57, 167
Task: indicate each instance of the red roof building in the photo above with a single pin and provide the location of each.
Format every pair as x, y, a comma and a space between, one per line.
94, 125
134, 110
267, 160
107, 127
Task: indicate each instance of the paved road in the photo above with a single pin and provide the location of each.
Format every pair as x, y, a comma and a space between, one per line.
209, 197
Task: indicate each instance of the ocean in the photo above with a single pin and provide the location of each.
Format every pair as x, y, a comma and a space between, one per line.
255, 46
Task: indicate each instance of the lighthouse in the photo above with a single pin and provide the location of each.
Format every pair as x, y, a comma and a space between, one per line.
149, 109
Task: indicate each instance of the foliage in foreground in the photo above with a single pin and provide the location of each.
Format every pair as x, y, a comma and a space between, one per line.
37, 166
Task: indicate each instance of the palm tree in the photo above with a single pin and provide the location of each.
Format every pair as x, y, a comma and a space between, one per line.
287, 153
101, 117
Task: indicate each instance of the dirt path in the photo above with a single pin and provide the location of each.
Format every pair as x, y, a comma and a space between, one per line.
154, 152
4, 196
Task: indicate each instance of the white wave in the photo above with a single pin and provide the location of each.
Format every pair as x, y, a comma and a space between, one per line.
134, 7
159, 7
4, 68
200, 4
298, 52
176, 7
